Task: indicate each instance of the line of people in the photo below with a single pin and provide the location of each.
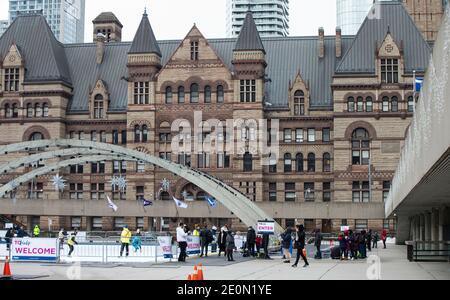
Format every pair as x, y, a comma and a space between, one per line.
355, 245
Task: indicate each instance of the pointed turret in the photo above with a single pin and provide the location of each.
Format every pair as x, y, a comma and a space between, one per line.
249, 38
144, 41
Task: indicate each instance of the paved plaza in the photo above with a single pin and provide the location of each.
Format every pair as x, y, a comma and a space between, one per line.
394, 266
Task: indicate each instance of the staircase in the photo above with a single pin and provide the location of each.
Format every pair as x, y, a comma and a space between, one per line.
10, 219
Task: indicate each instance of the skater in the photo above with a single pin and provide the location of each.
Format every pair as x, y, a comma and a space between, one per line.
300, 239
230, 246
71, 242
182, 242
222, 239
251, 240
286, 245
384, 238
61, 237
318, 244
125, 237
137, 241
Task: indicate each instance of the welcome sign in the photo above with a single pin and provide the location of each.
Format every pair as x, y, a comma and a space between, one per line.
193, 245
266, 227
34, 250
165, 242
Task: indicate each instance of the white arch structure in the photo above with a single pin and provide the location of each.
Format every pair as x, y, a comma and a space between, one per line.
244, 209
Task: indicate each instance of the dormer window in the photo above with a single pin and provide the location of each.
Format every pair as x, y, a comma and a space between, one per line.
12, 79
99, 108
194, 50
299, 103
389, 70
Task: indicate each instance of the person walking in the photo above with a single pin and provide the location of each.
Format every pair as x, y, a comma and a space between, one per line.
251, 241
206, 238
300, 240
125, 238
223, 239
362, 245
318, 244
230, 246
137, 241
61, 237
343, 246
182, 242
214, 242
9, 237
36, 231
71, 242
286, 245
369, 239
352, 239
376, 239
265, 245
258, 244
384, 238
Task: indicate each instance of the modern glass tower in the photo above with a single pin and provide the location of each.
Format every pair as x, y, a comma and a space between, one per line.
3, 26
271, 16
351, 14
65, 17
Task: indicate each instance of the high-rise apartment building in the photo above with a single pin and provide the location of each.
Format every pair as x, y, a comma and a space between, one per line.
351, 14
65, 17
3, 26
271, 16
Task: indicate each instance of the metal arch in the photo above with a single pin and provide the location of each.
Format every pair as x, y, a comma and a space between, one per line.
244, 209
17, 163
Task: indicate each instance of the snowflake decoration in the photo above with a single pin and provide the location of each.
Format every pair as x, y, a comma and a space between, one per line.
122, 183
59, 183
114, 182
185, 194
165, 185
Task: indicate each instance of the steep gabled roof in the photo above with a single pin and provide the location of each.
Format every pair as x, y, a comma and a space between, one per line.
249, 38
44, 56
144, 41
387, 16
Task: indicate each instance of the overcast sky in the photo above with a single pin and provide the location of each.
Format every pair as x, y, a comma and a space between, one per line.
172, 19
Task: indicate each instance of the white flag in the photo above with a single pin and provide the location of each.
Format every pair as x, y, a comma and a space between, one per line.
111, 204
180, 203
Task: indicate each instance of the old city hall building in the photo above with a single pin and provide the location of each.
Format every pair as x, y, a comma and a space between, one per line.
343, 104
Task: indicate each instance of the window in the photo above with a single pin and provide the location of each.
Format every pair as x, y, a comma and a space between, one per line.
181, 94
389, 70
248, 90
124, 137
76, 191
144, 134
119, 223
35, 190
102, 136
15, 111
169, 95
411, 104
273, 192
327, 162
288, 135
272, 163
119, 167
326, 135
12, 80
98, 191
361, 192
30, 110
287, 163
360, 147
361, 225
98, 168
311, 135
76, 169
140, 167
299, 103
37, 136
184, 159
165, 137
394, 104
220, 94
360, 104
203, 160
299, 162
299, 135
194, 93
194, 50
369, 104
137, 134
8, 111
248, 162
223, 160
385, 104
45, 110
37, 110
142, 92
140, 193
207, 94
290, 194
98, 107
115, 137
386, 190
326, 191
310, 191
351, 104
94, 136
97, 223
75, 222
311, 162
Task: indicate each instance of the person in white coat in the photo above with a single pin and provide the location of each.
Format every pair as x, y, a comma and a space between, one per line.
182, 242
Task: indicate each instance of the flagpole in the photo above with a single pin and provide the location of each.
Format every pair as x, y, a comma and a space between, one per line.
415, 92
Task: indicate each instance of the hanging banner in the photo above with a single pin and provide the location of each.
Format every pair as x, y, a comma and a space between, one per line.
193, 246
165, 242
36, 249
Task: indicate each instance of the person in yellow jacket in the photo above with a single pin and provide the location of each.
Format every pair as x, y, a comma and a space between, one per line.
71, 242
196, 231
125, 238
36, 231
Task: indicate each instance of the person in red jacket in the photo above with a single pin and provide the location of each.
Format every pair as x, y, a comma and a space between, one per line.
258, 242
384, 238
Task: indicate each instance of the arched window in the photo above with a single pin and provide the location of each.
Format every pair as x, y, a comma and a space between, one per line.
98, 107
15, 111
144, 134
327, 162
207, 94
360, 147
45, 110
360, 104
385, 104
38, 110
287, 163
8, 112
36, 136
248, 162
181, 94
299, 162
137, 134
299, 103
30, 110
220, 94
351, 104
311, 162
194, 93
394, 104
369, 104
164, 196
169, 95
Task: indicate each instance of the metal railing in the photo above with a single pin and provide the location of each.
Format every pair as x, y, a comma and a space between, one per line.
428, 251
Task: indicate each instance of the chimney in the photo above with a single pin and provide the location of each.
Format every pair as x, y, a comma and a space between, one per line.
100, 52
321, 42
338, 42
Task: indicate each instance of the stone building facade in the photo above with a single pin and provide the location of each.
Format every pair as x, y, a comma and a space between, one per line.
343, 105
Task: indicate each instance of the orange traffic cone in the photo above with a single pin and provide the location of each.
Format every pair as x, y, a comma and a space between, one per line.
195, 276
189, 278
6, 268
200, 272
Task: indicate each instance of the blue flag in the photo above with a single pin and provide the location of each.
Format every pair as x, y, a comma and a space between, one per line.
211, 201
419, 83
146, 202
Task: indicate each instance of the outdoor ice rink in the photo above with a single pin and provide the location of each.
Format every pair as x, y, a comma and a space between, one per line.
393, 266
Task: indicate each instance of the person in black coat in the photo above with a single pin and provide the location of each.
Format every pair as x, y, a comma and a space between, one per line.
206, 238
8, 238
251, 241
318, 244
369, 238
286, 244
265, 244
300, 241
222, 239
